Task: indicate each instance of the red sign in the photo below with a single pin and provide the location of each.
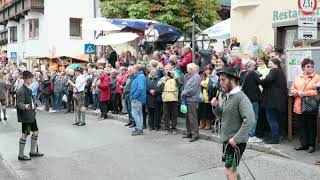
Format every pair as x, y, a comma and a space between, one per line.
307, 7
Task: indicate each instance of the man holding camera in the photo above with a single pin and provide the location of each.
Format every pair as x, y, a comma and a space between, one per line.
27, 116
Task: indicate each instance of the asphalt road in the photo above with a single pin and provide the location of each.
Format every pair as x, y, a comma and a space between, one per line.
106, 150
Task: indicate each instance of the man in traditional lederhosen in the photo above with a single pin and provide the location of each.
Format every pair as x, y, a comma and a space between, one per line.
151, 37
79, 87
27, 116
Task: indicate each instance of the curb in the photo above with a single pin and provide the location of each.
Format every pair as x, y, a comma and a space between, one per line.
10, 168
215, 138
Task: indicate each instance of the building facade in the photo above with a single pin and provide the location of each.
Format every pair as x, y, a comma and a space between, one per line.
45, 28
272, 21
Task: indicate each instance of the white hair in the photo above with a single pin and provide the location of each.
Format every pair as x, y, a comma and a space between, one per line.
193, 66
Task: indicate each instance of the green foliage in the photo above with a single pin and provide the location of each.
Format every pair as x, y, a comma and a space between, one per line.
177, 13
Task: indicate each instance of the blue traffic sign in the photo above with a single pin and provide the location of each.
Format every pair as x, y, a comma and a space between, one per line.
89, 49
13, 55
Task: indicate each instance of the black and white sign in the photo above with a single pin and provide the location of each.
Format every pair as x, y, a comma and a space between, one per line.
307, 21
307, 33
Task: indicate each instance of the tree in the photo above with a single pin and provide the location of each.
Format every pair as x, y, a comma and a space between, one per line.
177, 13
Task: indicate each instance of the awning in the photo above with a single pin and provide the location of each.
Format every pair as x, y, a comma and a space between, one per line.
219, 31
251, 4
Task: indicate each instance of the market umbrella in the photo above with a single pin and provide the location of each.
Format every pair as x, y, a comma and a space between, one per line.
115, 38
220, 30
100, 24
75, 66
167, 33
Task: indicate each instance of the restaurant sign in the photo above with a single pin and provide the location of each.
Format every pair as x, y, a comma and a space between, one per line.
288, 15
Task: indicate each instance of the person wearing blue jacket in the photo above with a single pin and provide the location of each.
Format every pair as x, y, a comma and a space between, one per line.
138, 98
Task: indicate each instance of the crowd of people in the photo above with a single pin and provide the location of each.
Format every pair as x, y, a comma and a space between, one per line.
151, 88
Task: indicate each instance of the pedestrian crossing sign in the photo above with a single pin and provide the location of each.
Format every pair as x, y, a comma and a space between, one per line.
89, 49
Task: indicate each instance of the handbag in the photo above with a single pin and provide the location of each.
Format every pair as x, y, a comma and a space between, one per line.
310, 104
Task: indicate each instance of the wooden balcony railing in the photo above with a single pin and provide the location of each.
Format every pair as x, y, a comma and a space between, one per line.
18, 9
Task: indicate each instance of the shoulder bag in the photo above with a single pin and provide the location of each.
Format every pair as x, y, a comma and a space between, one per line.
310, 104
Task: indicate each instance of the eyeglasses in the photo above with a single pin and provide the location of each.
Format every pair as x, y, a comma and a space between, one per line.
309, 66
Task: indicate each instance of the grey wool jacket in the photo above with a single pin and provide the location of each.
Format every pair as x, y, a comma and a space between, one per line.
192, 88
237, 116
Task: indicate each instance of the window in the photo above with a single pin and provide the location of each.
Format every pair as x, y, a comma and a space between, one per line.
13, 34
33, 28
75, 27
23, 32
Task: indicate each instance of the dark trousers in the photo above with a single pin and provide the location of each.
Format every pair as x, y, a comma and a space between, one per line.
128, 104
308, 128
170, 114
46, 101
104, 109
154, 117
192, 119
87, 99
144, 113
70, 103
115, 100
273, 120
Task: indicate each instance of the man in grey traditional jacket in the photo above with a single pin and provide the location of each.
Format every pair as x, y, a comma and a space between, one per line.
237, 117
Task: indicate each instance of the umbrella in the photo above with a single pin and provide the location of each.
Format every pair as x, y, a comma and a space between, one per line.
167, 33
100, 24
115, 38
220, 30
75, 66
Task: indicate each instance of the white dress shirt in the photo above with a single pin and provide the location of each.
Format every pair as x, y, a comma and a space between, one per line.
151, 35
80, 83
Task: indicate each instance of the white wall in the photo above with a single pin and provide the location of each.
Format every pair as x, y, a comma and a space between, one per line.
58, 27
54, 30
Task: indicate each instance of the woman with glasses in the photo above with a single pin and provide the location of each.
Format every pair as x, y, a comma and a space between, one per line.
305, 85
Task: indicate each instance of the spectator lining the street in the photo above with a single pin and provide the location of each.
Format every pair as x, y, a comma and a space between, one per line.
191, 93
305, 86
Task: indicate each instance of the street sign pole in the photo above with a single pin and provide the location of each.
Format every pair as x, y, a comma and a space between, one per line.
193, 41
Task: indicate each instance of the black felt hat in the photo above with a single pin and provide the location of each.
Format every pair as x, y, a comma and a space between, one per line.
27, 74
229, 71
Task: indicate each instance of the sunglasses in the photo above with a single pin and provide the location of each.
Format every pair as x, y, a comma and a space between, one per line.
309, 66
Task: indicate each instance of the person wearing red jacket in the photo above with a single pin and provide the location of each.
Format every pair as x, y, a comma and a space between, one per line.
237, 64
104, 87
187, 58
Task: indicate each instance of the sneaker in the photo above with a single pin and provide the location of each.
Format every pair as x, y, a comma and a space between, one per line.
254, 140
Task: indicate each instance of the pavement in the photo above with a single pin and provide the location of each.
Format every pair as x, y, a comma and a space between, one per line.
284, 149
106, 150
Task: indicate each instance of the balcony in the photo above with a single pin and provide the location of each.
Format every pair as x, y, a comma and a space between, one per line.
3, 37
18, 9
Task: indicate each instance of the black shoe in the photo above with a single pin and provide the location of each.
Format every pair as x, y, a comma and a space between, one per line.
75, 124
132, 126
128, 124
36, 154
24, 158
81, 124
137, 133
187, 136
272, 142
144, 127
0, 119
311, 150
5, 118
301, 148
194, 139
